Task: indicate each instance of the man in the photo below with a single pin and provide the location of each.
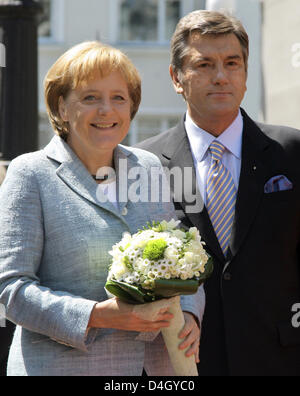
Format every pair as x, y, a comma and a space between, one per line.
249, 181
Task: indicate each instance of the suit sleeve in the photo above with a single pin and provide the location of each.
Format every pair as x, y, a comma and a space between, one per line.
58, 315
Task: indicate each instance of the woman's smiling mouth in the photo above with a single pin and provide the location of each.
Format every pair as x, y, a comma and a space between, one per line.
104, 126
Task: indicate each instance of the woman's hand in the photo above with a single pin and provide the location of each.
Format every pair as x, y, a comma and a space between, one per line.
191, 333
115, 314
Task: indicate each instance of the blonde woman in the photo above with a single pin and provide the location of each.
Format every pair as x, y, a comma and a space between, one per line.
55, 234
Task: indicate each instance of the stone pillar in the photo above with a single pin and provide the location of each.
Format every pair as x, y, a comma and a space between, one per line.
18, 78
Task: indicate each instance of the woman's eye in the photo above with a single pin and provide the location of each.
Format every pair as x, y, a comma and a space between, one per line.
119, 97
90, 98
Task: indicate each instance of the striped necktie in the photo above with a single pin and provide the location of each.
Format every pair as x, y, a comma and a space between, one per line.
221, 196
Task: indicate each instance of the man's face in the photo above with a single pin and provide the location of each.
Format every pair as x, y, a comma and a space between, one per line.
213, 77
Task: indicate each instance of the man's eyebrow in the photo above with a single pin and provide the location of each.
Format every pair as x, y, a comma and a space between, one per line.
208, 58
234, 57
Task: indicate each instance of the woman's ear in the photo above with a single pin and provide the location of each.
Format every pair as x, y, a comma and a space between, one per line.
176, 81
62, 108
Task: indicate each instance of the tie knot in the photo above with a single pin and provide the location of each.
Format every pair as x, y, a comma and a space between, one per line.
217, 150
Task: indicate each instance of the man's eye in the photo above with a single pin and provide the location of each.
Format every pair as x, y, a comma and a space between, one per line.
232, 64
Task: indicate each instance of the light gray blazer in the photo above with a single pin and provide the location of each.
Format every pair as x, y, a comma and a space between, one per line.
54, 241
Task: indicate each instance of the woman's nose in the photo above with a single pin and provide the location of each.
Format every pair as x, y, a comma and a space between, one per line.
104, 107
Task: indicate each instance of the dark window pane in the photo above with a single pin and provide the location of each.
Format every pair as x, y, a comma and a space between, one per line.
139, 20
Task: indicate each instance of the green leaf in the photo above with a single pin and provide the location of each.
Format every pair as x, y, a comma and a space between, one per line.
132, 294
117, 291
175, 287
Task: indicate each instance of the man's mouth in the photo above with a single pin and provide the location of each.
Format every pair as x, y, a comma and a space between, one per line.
220, 93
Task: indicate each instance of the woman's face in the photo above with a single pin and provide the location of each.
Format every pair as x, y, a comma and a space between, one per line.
98, 113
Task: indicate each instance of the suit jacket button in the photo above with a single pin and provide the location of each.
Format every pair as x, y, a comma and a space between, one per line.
227, 276
125, 212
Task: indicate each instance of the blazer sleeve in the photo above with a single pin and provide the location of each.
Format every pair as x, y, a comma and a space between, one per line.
58, 315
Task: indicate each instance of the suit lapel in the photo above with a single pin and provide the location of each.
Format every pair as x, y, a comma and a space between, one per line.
178, 152
252, 179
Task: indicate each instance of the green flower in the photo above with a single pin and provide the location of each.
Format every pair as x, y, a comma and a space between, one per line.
155, 250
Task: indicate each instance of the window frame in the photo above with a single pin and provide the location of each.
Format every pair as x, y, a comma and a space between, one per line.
57, 13
115, 9
163, 116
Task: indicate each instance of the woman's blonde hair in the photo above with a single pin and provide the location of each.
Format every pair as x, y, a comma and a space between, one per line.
79, 65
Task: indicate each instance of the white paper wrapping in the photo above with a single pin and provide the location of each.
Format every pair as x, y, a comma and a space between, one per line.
182, 365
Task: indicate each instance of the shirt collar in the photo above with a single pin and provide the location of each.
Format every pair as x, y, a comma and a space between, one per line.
200, 140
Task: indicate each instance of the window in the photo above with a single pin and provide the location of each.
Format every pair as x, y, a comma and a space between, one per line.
44, 23
145, 127
50, 22
148, 20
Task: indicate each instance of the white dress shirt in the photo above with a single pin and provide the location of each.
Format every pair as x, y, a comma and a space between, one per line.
200, 141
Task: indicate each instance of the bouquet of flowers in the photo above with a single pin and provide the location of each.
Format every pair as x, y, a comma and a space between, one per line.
157, 263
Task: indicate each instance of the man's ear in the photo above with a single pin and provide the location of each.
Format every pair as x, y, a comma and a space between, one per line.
176, 81
62, 109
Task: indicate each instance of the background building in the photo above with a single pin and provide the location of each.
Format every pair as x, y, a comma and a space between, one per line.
281, 61
142, 29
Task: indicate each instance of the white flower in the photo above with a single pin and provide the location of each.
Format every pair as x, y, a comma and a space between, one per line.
169, 226
180, 259
179, 234
171, 253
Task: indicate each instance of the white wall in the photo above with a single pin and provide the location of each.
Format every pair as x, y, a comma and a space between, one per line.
249, 13
281, 31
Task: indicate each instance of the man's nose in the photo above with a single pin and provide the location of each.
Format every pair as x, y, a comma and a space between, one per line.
220, 76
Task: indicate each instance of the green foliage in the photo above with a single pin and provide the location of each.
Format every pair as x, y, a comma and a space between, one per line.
155, 226
128, 263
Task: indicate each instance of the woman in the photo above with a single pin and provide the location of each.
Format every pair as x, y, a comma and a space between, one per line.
56, 234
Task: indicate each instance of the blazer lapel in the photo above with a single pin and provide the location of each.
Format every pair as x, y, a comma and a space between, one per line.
252, 178
178, 152
76, 176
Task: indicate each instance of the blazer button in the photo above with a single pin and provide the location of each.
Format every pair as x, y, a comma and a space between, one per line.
125, 212
227, 276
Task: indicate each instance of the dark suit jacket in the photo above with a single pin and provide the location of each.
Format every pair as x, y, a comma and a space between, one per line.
247, 327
